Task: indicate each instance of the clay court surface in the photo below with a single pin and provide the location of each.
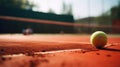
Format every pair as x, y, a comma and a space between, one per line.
57, 50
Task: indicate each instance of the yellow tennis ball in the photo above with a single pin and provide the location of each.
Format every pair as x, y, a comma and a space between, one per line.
98, 39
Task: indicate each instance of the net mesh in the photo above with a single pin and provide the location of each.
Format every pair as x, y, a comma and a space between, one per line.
78, 27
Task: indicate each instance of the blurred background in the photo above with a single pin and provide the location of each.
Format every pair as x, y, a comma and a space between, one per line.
58, 16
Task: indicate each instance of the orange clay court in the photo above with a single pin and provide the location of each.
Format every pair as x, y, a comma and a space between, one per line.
57, 50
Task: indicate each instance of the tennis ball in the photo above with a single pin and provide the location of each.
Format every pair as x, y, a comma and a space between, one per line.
98, 39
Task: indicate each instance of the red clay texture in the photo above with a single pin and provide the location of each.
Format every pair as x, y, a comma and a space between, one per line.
57, 50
